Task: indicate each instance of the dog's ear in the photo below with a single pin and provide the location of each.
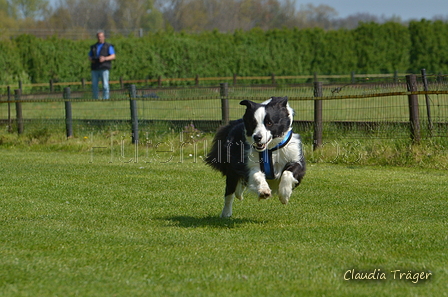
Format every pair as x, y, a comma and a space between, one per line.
248, 103
280, 101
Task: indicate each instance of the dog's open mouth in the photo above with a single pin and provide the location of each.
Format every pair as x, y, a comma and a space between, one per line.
261, 146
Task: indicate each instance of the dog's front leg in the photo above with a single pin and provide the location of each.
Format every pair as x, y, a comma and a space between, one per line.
257, 182
287, 184
291, 178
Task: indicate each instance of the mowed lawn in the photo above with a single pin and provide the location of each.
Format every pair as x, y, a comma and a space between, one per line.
74, 228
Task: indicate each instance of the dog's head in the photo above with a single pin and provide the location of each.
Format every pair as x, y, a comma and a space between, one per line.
266, 123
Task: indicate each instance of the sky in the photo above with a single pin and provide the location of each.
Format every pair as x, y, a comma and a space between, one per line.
406, 9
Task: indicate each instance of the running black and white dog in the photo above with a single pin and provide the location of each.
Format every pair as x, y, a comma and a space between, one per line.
259, 151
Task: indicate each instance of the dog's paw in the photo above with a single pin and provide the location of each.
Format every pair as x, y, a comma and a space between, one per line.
284, 199
226, 213
287, 184
284, 192
227, 209
264, 193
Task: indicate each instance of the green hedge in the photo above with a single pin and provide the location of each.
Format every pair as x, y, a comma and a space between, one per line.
370, 48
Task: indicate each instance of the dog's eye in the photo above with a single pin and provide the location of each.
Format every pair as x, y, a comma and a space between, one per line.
268, 123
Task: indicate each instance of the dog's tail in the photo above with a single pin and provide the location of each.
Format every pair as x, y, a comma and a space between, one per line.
218, 156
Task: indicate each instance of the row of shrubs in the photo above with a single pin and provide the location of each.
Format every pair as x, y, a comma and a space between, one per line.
370, 48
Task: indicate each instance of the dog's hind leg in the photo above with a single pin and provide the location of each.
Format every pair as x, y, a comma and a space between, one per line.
227, 210
231, 185
240, 188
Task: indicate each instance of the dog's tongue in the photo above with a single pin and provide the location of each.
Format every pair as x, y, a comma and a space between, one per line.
260, 146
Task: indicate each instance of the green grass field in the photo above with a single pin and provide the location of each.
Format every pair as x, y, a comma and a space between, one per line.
73, 227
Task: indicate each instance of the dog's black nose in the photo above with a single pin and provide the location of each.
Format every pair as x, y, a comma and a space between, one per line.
257, 137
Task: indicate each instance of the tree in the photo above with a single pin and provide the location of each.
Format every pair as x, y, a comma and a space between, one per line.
228, 15
134, 14
33, 9
321, 16
92, 14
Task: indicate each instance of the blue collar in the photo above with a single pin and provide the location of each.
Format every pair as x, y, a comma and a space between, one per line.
266, 164
284, 141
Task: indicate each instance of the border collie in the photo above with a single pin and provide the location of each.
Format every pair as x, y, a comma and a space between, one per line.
259, 151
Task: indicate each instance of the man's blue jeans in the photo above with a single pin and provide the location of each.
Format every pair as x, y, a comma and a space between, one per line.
102, 75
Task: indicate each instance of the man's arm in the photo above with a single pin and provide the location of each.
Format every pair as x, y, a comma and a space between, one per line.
90, 56
110, 57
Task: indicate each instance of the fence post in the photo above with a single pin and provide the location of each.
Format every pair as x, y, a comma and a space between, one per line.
83, 83
121, 83
234, 79
428, 102
19, 117
317, 138
411, 82
273, 78
134, 116
68, 112
159, 81
224, 92
196, 80
8, 90
51, 86
353, 78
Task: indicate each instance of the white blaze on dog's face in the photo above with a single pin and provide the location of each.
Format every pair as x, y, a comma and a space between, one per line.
267, 121
261, 136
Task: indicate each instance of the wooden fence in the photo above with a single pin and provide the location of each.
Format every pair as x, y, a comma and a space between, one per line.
320, 97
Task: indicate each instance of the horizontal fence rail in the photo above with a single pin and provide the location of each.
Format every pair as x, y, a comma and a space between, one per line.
412, 109
235, 79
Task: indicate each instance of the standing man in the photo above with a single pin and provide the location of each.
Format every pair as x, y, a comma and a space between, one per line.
101, 55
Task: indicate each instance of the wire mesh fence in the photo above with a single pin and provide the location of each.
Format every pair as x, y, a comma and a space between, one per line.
368, 110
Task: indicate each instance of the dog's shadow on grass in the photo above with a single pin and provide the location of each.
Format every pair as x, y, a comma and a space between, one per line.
209, 221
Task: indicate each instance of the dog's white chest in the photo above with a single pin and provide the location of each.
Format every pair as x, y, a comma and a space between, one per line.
273, 163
